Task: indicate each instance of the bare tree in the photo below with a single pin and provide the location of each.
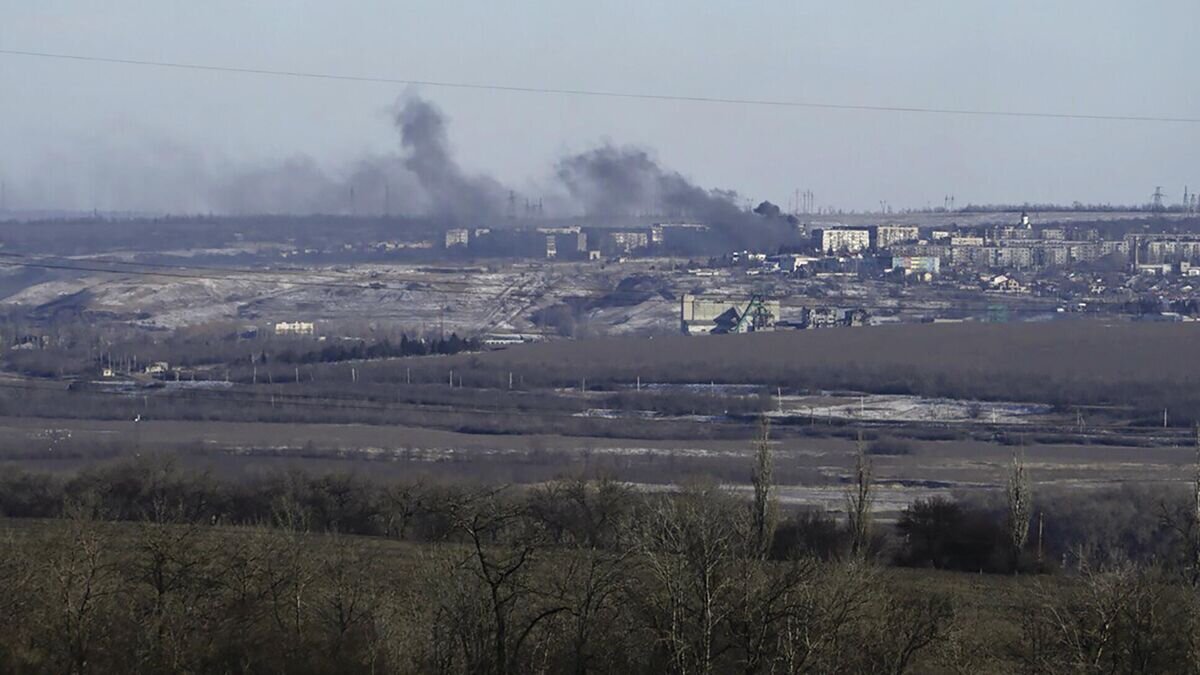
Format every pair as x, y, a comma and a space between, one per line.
860, 499
593, 518
823, 631
903, 627
1020, 505
589, 585
502, 553
170, 589
690, 544
402, 503
81, 584
1120, 619
770, 599
1184, 522
766, 499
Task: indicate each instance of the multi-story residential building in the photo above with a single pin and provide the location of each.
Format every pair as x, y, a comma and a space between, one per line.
457, 237
841, 239
887, 236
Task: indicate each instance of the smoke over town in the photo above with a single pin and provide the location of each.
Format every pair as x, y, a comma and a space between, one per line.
421, 177
615, 181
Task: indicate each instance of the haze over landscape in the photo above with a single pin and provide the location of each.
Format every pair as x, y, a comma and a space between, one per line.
81, 135
534, 337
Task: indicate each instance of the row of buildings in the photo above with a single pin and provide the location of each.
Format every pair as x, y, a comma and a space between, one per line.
718, 314
1010, 247
571, 242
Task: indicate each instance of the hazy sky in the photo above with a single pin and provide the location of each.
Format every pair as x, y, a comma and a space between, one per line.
79, 135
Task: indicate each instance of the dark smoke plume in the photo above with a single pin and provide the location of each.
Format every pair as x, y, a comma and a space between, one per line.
450, 192
419, 178
611, 180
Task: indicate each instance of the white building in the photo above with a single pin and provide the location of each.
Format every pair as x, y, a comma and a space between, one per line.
917, 264
966, 241
628, 241
295, 328
457, 237
845, 239
888, 235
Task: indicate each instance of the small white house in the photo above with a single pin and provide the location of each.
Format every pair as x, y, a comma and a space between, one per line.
295, 328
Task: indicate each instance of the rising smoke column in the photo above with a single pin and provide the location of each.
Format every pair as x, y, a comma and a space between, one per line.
622, 181
450, 192
418, 177
422, 179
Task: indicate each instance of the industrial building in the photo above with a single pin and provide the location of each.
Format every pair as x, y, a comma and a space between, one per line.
661, 233
627, 241
565, 242
831, 317
701, 315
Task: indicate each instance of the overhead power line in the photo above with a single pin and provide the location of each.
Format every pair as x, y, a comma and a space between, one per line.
602, 93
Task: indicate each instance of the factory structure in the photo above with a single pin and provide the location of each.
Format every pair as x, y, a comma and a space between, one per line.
723, 314
705, 314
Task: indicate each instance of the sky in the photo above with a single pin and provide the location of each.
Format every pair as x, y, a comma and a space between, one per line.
120, 137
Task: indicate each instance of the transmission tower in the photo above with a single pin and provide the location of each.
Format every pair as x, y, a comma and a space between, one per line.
1157, 204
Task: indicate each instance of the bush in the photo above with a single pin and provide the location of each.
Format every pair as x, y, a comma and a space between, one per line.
888, 445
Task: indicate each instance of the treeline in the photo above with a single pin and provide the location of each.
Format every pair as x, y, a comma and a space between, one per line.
1060, 528
68, 343
359, 350
1062, 363
574, 575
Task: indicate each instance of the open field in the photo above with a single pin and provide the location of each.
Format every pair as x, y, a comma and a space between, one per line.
809, 470
1065, 363
467, 297
942, 409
